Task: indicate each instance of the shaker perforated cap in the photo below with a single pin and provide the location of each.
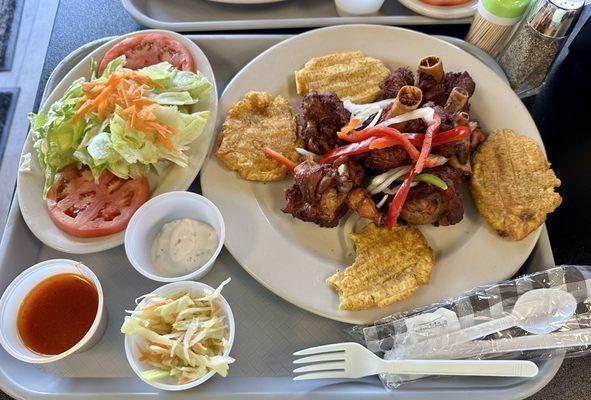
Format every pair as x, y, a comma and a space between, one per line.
568, 4
555, 18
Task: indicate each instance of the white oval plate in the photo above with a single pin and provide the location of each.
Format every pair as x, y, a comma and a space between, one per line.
442, 12
30, 184
293, 258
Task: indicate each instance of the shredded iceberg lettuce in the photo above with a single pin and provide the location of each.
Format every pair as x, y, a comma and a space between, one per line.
114, 144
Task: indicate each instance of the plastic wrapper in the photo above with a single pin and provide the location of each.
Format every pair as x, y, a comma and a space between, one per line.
556, 322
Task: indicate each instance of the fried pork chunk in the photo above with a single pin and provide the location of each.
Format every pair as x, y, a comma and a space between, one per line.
323, 115
383, 160
438, 92
360, 201
320, 191
459, 79
428, 204
399, 78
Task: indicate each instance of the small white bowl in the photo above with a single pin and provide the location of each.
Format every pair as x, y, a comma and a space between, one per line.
149, 219
132, 341
351, 8
17, 291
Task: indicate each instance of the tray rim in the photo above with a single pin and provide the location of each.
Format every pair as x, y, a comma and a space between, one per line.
282, 23
548, 368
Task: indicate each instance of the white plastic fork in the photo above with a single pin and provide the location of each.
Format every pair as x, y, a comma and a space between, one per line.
352, 360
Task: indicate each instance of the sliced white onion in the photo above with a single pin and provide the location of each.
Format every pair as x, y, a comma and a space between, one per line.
391, 192
363, 111
375, 119
425, 113
472, 125
439, 159
308, 154
383, 201
364, 108
394, 174
349, 227
395, 189
379, 179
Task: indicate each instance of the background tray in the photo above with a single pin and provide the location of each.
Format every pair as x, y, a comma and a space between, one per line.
202, 15
268, 328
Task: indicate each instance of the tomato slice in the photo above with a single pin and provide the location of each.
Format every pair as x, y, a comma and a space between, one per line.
82, 207
148, 49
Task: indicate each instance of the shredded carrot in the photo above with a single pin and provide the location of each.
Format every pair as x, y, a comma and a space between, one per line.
143, 353
200, 346
125, 88
156, 304
350, 126
280, 158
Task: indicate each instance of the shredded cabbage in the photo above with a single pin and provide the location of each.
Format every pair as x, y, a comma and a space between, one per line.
186, 337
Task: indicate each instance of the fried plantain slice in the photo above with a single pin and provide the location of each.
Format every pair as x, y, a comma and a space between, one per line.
389, 267
350, 75
513, 184
256, 121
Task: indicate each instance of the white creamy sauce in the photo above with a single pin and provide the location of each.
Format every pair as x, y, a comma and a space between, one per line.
182, 246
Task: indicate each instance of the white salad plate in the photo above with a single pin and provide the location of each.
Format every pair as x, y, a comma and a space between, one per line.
293, 258
442, 12
30, 182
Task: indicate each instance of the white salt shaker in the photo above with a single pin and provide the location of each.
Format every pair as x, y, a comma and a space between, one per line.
351, 8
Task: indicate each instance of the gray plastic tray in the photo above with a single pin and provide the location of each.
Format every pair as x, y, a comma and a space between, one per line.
203, 15
269, 329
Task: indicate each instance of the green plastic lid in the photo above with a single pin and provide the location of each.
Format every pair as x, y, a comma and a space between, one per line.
506, 8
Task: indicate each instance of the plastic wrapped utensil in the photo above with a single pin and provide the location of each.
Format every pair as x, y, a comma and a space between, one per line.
426, 332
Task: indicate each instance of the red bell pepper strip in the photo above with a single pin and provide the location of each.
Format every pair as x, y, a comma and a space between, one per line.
363, 134
349, 150
390, 137
399, 198
286, 162
416, 139
373, 142
441, 138
451, 135
388, 141
427, 141
355, 136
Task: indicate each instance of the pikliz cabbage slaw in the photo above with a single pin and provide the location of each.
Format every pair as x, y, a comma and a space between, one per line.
109, 138
185, 335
